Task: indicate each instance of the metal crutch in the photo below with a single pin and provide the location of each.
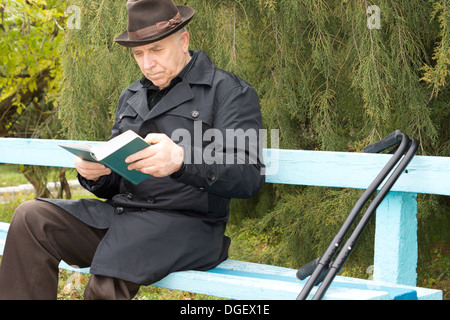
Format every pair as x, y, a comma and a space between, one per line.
322, 269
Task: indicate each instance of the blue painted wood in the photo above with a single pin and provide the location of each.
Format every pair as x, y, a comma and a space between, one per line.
39, 152
3, 232
253, 286
315, 168
395, 258
355, 170
261, 271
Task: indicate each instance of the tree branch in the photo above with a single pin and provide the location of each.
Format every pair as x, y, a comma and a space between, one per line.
7, 110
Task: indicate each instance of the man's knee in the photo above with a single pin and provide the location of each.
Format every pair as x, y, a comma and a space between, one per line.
32, 215
24, 213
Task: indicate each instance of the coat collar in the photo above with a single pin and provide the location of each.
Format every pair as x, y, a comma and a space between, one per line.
201, 73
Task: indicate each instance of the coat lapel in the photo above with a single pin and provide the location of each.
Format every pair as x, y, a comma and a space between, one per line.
138, 102
179, 94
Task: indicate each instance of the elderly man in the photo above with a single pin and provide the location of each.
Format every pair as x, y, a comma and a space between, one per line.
176, 219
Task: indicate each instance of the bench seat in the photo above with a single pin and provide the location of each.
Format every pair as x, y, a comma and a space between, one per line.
252, 281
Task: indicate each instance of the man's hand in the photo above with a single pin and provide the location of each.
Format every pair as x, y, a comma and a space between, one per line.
161, 159
91, 170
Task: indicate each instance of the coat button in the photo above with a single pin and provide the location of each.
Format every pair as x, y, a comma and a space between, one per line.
129, 195
211, 176
118, 210
151, 199
195, 114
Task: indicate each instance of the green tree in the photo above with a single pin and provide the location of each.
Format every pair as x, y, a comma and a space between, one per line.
326, 78
30, 74
95, 70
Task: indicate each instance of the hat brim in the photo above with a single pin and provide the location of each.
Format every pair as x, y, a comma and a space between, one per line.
187, 13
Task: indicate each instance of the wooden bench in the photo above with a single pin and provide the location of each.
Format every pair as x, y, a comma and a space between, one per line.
395, 258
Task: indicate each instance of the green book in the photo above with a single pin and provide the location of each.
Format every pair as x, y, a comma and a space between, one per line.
113, 154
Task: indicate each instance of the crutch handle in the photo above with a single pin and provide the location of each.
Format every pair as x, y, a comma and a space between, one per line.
387, 142
308, 270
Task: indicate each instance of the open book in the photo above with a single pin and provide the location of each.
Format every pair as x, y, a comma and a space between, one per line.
113, 154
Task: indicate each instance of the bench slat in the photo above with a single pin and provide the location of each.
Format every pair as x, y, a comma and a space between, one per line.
315, 168
355, 170
254, 288
40, 152
276, 271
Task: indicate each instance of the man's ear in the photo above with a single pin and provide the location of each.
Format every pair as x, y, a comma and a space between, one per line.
184, 41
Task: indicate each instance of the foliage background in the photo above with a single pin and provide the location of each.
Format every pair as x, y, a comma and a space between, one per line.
30, 66
325, 80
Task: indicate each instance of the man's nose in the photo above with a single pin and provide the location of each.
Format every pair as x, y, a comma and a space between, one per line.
149, 61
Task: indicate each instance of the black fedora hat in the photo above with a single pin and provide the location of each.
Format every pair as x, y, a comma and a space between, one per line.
153, 20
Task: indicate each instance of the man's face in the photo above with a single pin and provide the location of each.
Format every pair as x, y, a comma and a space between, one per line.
163, 60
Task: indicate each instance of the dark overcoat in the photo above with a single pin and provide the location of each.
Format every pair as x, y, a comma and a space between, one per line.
178, 222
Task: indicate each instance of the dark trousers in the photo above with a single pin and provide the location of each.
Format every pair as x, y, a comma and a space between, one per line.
40, 236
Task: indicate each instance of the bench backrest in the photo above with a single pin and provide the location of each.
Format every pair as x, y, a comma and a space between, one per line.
424, 174
396, 224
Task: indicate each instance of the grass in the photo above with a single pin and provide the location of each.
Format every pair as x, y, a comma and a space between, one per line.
11, 176
246, 245
437, 276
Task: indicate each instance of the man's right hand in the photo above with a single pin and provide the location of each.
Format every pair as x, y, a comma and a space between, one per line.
91, 170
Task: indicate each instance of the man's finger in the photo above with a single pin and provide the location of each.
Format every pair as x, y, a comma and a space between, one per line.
154, 138
142, 154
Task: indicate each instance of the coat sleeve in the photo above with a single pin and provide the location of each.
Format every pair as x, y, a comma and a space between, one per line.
231, 164
107, 187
